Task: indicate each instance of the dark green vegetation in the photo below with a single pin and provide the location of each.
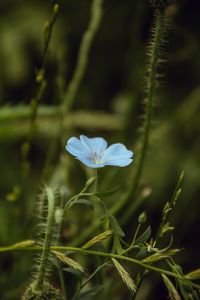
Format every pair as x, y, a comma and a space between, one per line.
40, 110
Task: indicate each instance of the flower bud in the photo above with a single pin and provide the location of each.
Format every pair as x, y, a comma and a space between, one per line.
142, 218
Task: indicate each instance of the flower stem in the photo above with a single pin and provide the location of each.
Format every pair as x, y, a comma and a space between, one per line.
158, 32
96, 181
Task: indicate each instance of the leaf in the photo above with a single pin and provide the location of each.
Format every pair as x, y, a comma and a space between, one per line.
117, 247
84, 202
125, 276
142, 253
108, 193
193, 275
115, 225
68, 261
90, 293
73, 271
97, 239
144, 236
173, 293
185, 286
160, 255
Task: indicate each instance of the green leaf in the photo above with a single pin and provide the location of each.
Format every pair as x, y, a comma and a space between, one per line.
84, 202
115, 225
145, 236
142, 253
117, 247
107, 194
73, 271
90, 293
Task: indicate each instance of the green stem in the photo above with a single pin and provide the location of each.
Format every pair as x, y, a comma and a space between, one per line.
62, 282
83, 55
96, 181
47, 242
40, 78
103, 254
133, 241
27, 246
87, 280
168, 209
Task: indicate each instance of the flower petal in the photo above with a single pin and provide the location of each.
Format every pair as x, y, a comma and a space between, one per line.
75, 147
95, 145
119, 162
116, 152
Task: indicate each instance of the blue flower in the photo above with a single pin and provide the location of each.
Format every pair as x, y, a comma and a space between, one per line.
95, 153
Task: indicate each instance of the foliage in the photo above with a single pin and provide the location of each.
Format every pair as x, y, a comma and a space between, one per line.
83, 73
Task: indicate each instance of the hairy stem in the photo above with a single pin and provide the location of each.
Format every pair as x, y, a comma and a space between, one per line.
47, 242
156, 42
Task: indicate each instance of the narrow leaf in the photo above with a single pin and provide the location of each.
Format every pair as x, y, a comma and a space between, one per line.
84, 202
90, 293
145, 236
108, 193
115, 225
73, 271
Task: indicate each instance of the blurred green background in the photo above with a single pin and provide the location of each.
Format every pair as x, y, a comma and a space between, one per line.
109, 103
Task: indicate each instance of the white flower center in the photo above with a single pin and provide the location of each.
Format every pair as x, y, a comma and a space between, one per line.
97, 158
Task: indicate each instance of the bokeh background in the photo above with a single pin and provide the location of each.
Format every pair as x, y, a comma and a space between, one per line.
109, 103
